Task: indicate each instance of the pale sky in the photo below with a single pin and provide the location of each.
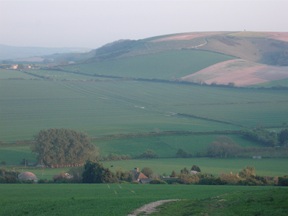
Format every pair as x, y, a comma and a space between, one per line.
93, 23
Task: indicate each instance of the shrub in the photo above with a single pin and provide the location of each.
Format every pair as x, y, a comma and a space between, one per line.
188, 179
157, 181
147, 172
183, 154
230, 178
7, 176
195, 168
283, 181
262, 136
210, 181
148, 154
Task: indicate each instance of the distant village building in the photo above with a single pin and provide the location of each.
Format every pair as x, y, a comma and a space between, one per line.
138, 176
14, 67
194, 172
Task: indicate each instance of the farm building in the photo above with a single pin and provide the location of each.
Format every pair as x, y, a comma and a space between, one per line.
27, 176
138, 176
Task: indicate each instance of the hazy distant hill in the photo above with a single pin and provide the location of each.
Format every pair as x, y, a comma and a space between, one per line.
226, 58
252, 58
14, 52
262, 47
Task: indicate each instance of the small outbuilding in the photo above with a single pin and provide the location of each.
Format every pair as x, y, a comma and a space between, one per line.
27, 176
138, 176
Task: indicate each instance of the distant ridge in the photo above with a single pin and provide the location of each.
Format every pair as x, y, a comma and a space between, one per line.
15, 52
256, 57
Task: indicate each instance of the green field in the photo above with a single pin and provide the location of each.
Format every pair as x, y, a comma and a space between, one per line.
13, 74
154, 66
248, 203
264, 167
164, 145
101, 199
100, 108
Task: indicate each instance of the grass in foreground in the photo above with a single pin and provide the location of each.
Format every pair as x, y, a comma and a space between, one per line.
264, 203
100, 199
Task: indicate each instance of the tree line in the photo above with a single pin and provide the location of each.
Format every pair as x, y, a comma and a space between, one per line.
95, 172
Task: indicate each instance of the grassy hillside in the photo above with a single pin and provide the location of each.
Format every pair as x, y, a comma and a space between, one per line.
165, 65
266, 203
163, 145
116, 107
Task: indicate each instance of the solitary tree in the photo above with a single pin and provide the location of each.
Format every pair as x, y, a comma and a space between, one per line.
59, 147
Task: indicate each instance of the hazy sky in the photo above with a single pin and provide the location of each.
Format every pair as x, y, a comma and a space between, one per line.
93, 23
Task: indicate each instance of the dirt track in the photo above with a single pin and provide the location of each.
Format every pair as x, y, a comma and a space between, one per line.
150, 208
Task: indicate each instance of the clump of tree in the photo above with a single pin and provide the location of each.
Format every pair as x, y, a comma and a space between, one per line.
124, 176
8, 176
147, 171
267, 138
262, 136
195, 168
62, 147
283, 181
183, 154
283, 137
223, 147
247, 176
114, 157
229, 178
95, 172
148, 154
188, 178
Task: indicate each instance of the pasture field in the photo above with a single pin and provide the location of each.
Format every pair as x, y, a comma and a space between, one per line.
248, 203
165, 145
276, 83
13, 74
154, 66
121, 107
13, 155
215, 166
101, 199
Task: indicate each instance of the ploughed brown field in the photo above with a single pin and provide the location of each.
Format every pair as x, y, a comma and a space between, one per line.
239, 72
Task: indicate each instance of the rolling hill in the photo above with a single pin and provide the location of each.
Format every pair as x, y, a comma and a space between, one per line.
258, 57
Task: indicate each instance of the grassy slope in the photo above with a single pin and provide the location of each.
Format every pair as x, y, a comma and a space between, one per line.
248, 203
163, 146
98, 199
112, 108
165, 65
